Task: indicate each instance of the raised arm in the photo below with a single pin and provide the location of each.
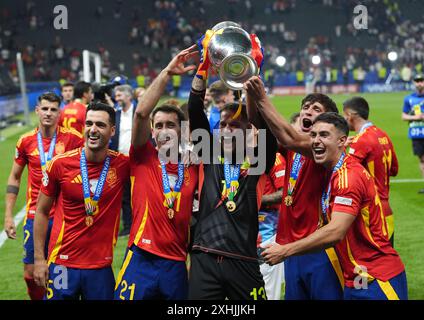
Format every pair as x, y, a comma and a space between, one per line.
146, 103
13, 184
286, 135
196, 113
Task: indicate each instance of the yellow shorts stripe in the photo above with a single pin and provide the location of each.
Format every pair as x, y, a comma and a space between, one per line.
124, 268
332, 256
388, 290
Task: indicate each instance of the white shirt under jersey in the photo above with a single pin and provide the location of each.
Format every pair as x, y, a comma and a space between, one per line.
125, 128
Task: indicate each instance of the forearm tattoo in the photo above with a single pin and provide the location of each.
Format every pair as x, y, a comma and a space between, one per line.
198, 84
12, 189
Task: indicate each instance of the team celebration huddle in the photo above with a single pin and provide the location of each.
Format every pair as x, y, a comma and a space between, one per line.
224, 198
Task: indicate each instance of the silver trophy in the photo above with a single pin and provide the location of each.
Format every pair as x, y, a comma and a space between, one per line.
230, 51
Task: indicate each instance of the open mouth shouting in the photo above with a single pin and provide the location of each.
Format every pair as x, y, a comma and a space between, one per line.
319, 152
306, 124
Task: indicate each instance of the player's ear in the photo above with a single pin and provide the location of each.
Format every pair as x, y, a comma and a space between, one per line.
343, 141
113, 129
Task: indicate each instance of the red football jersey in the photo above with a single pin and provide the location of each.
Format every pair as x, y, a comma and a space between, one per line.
72, 243
152, 230
374, 150
304, 215
366, 247
275, 179
27, 154
73, 116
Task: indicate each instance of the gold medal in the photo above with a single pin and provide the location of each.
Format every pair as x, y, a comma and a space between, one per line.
171, 213
89, 221
288, 201
231, 206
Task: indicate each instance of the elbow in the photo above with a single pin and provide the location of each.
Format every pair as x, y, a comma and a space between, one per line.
141, 114
286, 142
336, 235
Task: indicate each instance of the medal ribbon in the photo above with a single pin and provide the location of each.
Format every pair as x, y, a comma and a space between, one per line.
170, 195
365, 126
325, 199
91, 203
43, 160
294, 173
231, 174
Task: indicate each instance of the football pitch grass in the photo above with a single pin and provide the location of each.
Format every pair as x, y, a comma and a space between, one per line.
407, 204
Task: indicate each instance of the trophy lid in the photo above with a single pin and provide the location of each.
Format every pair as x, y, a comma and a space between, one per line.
225, 24
227, 41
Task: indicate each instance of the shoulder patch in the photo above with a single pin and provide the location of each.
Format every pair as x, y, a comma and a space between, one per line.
343, 200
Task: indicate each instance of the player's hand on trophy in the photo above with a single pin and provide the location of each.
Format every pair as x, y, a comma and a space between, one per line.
204, 63
41, 272
255, 88
274, 253
10, 228
178, 63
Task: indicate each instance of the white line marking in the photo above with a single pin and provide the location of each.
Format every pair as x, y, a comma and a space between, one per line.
407, 181
18, 218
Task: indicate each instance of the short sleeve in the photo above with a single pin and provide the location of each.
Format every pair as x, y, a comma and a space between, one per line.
50, 185
346, 194
406, 105
125, 167
20, 154
278, 172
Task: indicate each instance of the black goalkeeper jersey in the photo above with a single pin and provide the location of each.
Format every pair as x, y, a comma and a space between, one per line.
218, 231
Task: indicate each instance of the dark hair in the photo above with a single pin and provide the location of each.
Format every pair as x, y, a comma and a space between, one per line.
51, 97
184, 109
169, 108
359, 105
326, 101
334, 118
67, 84
99, 106
233, 107
80, 88
217, 89
294, 117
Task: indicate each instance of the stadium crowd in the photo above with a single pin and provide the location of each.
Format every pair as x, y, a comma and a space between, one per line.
175, 24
